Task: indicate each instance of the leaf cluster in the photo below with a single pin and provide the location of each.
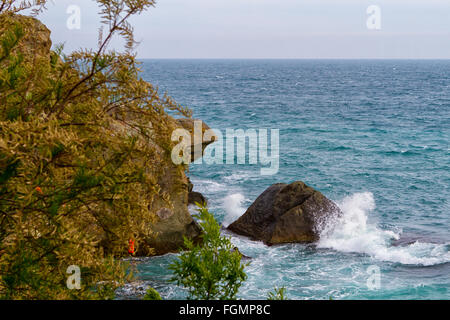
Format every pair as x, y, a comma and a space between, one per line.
212, 269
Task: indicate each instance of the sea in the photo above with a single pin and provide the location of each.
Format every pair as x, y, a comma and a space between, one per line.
371, 135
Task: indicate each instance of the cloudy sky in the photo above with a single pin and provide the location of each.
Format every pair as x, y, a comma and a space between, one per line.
272, 28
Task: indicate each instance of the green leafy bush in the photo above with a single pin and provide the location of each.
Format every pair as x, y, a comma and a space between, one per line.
152, 294
212, 269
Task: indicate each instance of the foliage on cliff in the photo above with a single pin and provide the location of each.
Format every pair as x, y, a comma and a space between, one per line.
82, 137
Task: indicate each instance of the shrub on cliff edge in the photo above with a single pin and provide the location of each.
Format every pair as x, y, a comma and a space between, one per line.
82, 139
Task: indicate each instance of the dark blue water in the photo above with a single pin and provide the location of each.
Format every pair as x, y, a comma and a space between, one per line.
371, 135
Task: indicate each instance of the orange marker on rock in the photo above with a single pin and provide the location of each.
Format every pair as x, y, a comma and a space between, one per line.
131, 246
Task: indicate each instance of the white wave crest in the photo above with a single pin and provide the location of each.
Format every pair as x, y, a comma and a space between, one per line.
233, 205
354, 233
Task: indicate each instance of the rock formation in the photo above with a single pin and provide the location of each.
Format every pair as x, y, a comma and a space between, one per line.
196, 197
174, 224
286, 213
174, 221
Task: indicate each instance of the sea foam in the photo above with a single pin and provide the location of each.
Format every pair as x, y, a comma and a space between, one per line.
353, 232
233, 205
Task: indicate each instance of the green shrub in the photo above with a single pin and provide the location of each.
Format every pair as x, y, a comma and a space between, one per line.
212, 269
277, 294
152, 294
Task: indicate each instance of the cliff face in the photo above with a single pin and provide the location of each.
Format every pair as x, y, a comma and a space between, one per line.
176, 223
173, 222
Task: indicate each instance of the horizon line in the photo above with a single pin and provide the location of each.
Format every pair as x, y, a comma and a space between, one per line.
409, 59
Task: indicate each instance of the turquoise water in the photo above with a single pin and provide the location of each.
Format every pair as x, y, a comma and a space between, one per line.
371, 135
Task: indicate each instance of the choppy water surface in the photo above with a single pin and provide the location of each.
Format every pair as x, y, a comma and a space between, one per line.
371, 135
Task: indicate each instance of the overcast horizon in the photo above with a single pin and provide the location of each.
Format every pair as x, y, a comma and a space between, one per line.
268, 29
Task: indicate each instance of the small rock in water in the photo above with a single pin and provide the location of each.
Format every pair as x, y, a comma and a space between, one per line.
194, 197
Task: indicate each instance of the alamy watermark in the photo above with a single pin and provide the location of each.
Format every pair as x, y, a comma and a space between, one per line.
74, 280
74, 20
374, 20
235, 142
374, 280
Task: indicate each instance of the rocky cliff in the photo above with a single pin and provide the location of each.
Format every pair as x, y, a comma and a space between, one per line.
173, 222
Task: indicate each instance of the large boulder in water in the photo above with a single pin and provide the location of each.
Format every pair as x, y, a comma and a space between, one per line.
286, 213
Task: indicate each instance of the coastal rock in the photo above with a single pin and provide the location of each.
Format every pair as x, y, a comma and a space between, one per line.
196, 141
170, 229
169, 220
285, 214
194, 197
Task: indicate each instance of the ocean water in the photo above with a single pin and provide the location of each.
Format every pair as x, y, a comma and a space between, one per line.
373, 136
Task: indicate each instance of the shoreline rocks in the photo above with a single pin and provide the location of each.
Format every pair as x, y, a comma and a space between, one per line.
176, 223
286, 214
196, 197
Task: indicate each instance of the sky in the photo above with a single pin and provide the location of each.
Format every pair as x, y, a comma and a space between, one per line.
269, 29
